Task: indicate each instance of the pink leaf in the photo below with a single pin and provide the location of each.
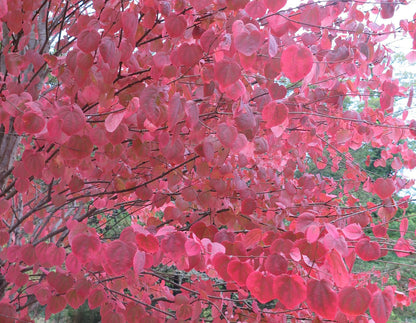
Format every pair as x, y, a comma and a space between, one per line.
368, 250
276, 264
73, 119
227, 72
354, 301
404, 246
3, 8
275, 5
296, 62
274, 114
381, 305
176, 111
77, 147
175, 25
88, 40
259, 286
322, 299
148, 243
247, 38
118, 257
404, 224
83, 246
312, 233
290, 290
239, 271
226, 134
139, 261
384, 188
113, 120
353, 231
189, 55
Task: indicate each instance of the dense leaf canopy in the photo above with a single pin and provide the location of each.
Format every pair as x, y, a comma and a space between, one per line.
160, 160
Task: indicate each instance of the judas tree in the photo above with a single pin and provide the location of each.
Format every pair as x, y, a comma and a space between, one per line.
200, 121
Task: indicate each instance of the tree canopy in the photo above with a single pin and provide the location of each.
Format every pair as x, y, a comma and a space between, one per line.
174, 160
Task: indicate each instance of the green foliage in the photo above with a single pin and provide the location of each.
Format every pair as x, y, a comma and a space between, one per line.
111, 226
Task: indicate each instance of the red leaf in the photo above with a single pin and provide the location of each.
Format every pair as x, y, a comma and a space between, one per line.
4, 236
72, 264
148, 243
96, 298
381, 305
247, 38
30, 122
248, 206
189, 54
275, 5
77, 147
255, 9
61, 282
354, 301
8, 313
139, 262
28, 254
386, 101
56, 255
220, 263
134, 312
88, 40
55, 305
277, 91
149, 98
322, 299
239, 271
276, 264
176, 111
312, 233
387, 9
3, 8
337, 268
73, 119
175, 25
118, 257
379, 230
113, 120
109, 52
404, 224
34, 163
227, 72
384, 188
353, 231
174, 245
74, 299
403, 245
274, 114
84, 246
226, 134
192, 248
130, 22
259, 286
296, 62
290, 290
42, 294
303, 221
368, 250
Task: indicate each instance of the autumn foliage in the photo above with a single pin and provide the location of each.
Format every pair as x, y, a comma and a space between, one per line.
199, 121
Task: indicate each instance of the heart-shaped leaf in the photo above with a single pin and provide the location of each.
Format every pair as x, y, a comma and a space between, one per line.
259, 286
354, 301
296, 62
290, 290
368, 250
322, 299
